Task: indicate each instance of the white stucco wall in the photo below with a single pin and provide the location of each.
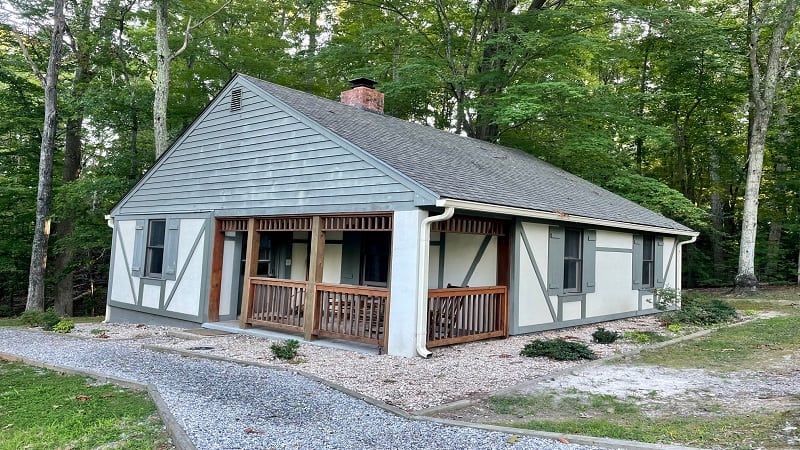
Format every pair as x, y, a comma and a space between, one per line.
299, 255
124, 287
227, 288
332, 264
186, 293
532, 307
613, 284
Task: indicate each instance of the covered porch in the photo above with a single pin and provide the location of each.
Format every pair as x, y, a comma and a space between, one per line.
330, 276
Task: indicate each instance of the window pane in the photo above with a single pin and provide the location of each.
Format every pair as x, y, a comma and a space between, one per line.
155, 260
647, 273
377, 250
572, 270
647, 248
155, 236
572, 244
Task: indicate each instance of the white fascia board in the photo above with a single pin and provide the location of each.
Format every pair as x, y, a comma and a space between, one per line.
560, 217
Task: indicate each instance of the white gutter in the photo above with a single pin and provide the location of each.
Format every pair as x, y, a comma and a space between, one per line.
558, 216
679, 263
422, 278
109, 221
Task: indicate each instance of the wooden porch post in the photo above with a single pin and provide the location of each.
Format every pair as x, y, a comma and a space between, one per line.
216, 271
314, 276
250, 268
504, 272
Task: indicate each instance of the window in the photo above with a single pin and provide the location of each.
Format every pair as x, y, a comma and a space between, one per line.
648, 261
155, 248
573, 259
154, 259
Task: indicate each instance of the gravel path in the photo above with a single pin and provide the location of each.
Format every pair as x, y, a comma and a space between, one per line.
230, 406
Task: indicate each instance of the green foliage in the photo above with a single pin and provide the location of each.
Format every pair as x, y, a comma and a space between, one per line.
64, 326
603, 336
45, 319
6, 311
558, 349
699, 309
644, 337
286, 351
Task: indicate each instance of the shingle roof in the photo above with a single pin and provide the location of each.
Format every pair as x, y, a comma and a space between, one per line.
463, 168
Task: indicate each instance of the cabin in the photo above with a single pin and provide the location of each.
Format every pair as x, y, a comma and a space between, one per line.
287, 211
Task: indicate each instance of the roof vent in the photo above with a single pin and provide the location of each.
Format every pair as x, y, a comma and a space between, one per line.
363, 95
236, 99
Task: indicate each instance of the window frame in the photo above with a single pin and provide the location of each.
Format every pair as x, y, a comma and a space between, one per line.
151, 249
648, 265
576, 261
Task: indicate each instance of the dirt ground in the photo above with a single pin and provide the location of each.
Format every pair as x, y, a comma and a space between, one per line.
658, 391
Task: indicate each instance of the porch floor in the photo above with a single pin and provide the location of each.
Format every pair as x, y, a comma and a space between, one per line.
232, 326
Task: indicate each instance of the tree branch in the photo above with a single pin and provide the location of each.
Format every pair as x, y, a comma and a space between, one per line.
24, 48
190, 28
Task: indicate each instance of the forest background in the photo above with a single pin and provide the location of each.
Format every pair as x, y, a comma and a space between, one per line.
650, 99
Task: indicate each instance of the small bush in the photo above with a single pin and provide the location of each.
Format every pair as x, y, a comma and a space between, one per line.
49, 319
287, 350
603, 336
698, 309
31, 318
674, 327
558, 349
64, 326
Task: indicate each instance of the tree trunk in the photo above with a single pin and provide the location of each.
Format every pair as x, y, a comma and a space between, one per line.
41, 233
762, 98
161, 91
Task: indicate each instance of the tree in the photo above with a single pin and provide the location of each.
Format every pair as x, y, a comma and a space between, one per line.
164, 58
764, 73
44, 190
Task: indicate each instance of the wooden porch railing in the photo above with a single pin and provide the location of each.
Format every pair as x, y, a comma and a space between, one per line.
458, 315
277, 303
355, 313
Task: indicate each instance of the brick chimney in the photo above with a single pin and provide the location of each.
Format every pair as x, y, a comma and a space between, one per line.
363, 95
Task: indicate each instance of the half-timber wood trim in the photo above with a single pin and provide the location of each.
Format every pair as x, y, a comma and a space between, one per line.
357, 222
472, 225
285, 223
232, 225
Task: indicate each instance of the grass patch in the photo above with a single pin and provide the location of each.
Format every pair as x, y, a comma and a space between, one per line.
41, 409
608, 416
17, 322
732, 348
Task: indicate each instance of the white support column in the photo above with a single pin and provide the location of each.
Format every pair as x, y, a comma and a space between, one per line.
403, 291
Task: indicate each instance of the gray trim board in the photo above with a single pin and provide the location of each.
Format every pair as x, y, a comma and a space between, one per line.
586, 321
154, 313
571, 298
542, 284
513, 289
476, 260
145, 281
613, 250
127, 267
205, 288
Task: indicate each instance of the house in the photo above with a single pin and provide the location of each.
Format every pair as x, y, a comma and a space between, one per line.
297, 213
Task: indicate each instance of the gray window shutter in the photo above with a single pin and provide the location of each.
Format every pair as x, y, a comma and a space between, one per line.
555, 262
659, 262
589, 261
351, 258
637, 261
171, 249
138, 249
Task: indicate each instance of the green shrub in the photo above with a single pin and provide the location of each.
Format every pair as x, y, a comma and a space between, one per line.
6, 311
603, 336
558, 349
287, 350
64, 326
31, 318
49, 319
698, 309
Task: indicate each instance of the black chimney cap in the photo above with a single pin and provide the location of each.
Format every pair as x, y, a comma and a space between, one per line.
366, 82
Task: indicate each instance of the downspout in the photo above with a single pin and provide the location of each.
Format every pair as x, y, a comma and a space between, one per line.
679, 262
109, 221
422, 278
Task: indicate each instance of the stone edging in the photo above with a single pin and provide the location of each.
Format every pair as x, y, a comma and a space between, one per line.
179, 436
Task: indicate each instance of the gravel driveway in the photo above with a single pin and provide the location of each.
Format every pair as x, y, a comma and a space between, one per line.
216, 402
